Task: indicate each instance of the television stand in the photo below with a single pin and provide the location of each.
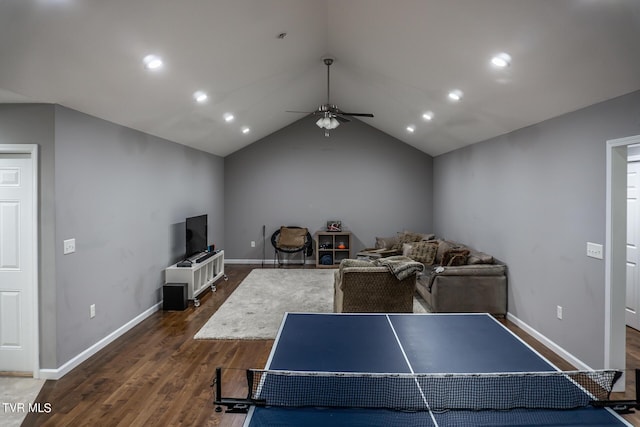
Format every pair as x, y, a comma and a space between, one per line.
201, 273
205, 256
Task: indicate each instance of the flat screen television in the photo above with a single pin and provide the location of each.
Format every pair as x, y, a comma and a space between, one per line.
196, 235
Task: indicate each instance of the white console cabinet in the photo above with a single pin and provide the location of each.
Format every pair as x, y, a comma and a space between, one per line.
198, 276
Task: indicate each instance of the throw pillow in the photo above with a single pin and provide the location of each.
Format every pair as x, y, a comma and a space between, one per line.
443, 247
386, 242
406, 249
455, 257
476, 257
428, 236
292, 237
424, 252
406, 237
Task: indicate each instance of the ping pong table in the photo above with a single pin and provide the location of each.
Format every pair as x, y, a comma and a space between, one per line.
407, 344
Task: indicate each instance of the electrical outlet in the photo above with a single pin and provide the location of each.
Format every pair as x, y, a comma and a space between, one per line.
253, 243
559, 312
69, 246
595, 250
92, 311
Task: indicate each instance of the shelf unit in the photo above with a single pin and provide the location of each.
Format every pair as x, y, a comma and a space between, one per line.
328, 242
198, 276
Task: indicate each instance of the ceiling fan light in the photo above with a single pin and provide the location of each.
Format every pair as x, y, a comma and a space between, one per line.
326, 122
320, 122
334, 123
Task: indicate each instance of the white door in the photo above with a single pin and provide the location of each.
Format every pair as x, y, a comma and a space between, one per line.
632, 315
17, 263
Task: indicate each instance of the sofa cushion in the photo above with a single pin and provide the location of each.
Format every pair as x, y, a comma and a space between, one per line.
424, 251
455, 257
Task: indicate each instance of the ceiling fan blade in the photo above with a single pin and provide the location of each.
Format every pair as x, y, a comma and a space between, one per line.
329, 110
356, 114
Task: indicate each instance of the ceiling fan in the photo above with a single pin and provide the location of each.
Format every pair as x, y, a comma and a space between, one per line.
330, 115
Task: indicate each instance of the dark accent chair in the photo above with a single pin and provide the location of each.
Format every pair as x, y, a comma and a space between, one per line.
291, 240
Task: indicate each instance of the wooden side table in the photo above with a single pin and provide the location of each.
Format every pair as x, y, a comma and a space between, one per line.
332, 247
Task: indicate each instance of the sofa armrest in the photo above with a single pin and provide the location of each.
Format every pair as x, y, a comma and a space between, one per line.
481, 294
466, 288
429, 276
371, 269
469, 270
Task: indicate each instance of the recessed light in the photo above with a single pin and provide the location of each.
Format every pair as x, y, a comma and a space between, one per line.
152, 62
411, 128
501, 60
200, 96
428, 115
245, 130
455, 95
228, 117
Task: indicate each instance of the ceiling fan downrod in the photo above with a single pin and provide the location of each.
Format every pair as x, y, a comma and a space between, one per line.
328, 62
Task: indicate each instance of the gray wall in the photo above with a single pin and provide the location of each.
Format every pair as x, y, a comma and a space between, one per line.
375, 184
124, 196
34, 124
534, 198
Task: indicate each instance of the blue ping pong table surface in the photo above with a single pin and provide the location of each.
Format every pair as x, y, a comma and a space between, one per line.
409, 343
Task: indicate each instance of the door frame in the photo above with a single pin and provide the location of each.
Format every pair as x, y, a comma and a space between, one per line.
636, 160
32, 151
615, 255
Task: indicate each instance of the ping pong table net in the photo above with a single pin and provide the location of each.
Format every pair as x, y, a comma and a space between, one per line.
434, 392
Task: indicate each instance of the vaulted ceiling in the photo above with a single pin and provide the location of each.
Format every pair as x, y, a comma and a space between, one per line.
396, 59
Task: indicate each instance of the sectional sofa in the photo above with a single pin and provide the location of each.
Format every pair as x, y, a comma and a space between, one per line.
456, 277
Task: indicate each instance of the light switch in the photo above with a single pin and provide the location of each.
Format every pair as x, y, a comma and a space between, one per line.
69, 246
595, 250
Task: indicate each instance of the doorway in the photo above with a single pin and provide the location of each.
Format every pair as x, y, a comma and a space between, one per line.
19, 337
616, 254
632, 315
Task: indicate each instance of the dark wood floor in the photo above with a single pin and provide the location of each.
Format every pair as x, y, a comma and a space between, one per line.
157, 374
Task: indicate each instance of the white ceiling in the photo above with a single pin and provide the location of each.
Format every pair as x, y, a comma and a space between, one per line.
394, 58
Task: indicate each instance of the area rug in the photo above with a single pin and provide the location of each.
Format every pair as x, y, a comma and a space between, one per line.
255, 309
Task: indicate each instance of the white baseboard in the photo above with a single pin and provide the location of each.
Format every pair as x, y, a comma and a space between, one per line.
56, 374
561, 352
269, 261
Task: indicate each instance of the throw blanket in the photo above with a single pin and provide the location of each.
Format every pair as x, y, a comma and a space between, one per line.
400, 266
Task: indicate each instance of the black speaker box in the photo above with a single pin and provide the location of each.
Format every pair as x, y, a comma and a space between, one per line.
174, 296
